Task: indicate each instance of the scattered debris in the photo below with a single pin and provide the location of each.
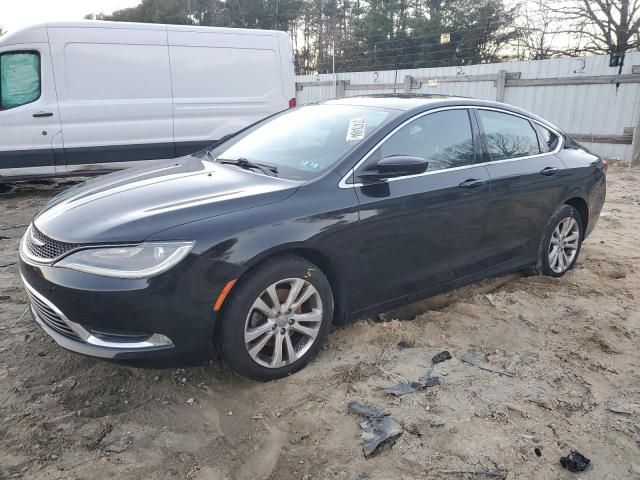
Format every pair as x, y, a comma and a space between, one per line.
401, 389
104, 431
622, 407
376, 431
403, 344
537, 451
257, 417
485, 472
365, 410
441, 357
489, 297
362, 476
378, 428
427, 382
190, 401
575, 461
121, 445
476, 362
528, 323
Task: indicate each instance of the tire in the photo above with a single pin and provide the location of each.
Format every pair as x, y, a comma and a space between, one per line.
566, 231
253, 322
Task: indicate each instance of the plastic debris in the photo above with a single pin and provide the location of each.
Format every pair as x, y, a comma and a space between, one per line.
403, 344
427, 382
377, 429
365, 410
476, 362
575, 461
441, 357
401, 389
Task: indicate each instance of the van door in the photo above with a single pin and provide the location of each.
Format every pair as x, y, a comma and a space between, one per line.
114, 92
29, 119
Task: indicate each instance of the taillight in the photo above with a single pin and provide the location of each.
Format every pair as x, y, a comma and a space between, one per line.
606, 165
292, 103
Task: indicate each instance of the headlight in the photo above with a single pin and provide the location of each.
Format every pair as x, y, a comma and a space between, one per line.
138, 261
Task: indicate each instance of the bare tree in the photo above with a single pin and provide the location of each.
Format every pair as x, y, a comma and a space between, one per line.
540, 32
604, 26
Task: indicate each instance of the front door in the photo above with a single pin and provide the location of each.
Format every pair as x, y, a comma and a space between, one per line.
29, 119
420, 231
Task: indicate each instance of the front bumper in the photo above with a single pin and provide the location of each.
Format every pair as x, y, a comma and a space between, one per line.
167, 315
75, 337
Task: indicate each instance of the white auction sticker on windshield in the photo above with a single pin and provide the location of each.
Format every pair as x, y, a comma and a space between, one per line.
356, 129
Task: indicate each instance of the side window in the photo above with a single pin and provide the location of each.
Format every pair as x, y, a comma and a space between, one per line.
443, 138
508, 136
549, 138
19, 79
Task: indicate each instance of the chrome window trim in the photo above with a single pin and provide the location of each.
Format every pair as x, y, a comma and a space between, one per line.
343, 181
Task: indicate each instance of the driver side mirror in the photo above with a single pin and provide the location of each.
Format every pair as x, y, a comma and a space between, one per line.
395, 166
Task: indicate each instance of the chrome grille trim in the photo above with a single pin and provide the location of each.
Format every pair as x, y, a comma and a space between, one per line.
39, 248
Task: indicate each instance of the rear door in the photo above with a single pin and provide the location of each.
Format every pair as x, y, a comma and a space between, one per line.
420, 231
29, 119
526, 182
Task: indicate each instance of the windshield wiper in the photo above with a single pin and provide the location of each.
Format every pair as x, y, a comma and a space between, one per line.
248, 165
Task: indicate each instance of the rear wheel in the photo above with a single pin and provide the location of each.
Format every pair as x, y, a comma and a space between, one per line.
277, 319
561, 243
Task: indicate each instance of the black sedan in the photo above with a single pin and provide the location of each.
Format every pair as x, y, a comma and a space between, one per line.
309, 218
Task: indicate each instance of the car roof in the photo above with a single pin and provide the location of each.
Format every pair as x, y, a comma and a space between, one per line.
416, 103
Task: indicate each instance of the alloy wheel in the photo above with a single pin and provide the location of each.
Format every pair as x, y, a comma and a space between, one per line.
283, 323
563, 247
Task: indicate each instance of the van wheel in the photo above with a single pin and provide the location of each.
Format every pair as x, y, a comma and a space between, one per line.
277, 319
561, 242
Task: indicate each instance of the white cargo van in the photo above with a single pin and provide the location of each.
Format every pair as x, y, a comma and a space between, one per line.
88, 97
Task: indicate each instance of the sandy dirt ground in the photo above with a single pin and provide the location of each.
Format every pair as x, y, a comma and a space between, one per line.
569, 349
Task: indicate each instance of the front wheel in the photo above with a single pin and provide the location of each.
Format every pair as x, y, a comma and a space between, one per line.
277, 319
561, 242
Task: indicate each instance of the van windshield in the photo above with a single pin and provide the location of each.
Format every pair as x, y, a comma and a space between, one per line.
301, 144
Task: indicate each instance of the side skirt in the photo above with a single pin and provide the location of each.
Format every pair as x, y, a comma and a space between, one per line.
501, 269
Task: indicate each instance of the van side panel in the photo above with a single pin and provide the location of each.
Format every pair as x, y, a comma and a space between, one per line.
222, 82
114, 92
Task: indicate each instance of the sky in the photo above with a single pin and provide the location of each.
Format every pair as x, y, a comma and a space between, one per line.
16, 14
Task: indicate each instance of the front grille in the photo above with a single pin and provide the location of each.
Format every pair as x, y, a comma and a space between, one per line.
43, 248
45, 313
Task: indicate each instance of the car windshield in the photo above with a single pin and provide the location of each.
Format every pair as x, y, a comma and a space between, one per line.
300, 144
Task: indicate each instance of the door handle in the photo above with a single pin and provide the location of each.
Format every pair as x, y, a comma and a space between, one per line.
43, 114
548, 171
472, 183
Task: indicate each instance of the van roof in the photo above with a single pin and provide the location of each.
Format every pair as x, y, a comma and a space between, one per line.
142, 26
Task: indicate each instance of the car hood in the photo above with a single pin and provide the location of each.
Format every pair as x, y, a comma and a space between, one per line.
131, 205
